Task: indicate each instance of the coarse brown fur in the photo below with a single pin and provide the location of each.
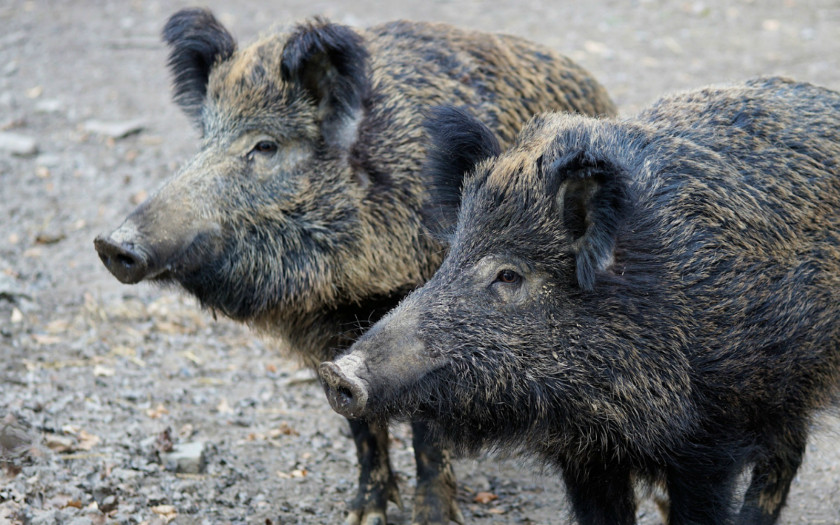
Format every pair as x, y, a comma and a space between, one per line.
301, 213
656, 299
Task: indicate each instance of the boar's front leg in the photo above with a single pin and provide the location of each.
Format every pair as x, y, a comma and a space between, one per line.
434, 498
377, 483
600, 493
701, 488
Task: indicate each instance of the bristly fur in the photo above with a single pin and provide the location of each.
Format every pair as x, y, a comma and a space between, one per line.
457, 142
197, 42
301, 213
700, 341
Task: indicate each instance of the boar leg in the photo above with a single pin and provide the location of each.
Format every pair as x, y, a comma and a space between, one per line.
601, 494
771, 478
377, 483
701, 490
434, 499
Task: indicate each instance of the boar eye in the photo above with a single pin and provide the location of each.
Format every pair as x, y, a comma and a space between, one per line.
265, 147
508, 277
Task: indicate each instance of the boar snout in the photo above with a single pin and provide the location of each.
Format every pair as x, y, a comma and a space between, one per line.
346, 393
125, 261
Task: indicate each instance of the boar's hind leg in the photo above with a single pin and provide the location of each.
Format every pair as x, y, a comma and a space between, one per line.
771, 478
601, 494
434, 499
377, 484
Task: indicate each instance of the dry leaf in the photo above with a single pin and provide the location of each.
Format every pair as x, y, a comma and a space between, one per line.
58, 443
103, 371
192, 357
139, 197
283, 430
497, 510
485, 497
59, 326
128, 353
43, 339
87, 440
166, 327
223, 407
186, 431
270, 367
293, 474
59, 501
49, 237
71, 429
156, 412
167, 512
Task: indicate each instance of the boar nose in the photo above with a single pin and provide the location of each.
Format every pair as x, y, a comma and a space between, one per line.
126, 262
347, 395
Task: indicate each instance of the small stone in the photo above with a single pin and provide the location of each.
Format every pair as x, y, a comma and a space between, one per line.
80, 520
108, 504
186, 458
48, 517
116, 129
34, 92
49, 161
18, 144
49, 105
16, 437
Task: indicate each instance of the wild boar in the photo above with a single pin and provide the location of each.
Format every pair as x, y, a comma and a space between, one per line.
300, 215
655, 300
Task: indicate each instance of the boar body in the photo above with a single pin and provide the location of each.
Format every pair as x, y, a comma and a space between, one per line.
300, 214
655, 300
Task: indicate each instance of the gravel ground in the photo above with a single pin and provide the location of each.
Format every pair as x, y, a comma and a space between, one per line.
102, 386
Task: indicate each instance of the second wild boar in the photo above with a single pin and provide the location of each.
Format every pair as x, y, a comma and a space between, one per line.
656, 299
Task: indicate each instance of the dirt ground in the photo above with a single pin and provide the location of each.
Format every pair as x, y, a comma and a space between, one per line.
99, 380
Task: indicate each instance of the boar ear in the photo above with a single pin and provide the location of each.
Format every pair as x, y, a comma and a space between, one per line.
591, 195
197, 41
329, 62
457, 142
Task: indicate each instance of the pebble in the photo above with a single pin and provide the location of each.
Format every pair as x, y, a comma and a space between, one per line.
80, 520
186, 458
49, 105
17, 144
114, 129
108, 504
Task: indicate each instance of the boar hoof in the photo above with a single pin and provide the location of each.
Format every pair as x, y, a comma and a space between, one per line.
375, 518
